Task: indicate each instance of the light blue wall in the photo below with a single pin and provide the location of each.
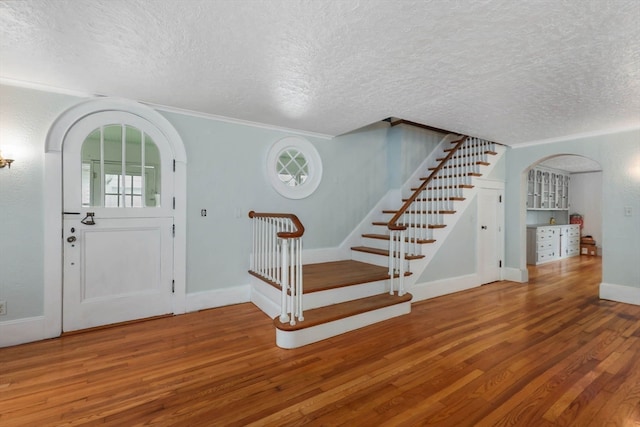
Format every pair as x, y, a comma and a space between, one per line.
226, 175
408, 146
25, 118
457, 255
619, 156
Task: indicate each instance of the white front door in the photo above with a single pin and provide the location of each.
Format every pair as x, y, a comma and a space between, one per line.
118, 221
490, 234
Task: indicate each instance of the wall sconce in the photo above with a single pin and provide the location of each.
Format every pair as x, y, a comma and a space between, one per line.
5, 162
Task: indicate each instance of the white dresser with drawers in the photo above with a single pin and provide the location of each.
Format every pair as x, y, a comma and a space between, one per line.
552, 242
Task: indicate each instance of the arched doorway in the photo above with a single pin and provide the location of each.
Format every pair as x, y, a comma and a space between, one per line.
131, 116
557, 186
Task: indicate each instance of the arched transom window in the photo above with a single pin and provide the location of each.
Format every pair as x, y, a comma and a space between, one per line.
121, 168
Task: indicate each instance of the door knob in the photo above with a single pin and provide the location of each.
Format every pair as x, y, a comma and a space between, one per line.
71, 239
484, 227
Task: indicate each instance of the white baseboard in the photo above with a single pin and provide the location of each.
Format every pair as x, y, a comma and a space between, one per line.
218, 298
620, 293
20, 331
515, 274
437, 288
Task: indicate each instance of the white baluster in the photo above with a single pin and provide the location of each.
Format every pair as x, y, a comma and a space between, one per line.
299, 278
260, 247
284, 315
392, 234
401, 270
252, 264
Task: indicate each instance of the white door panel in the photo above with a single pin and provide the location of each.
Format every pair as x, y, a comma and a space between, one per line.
120, 268
115, 272
130, 260
490, 235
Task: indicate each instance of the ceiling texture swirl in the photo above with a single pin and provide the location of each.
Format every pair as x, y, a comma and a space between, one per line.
510, 71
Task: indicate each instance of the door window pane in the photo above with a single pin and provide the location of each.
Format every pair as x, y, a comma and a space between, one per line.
152, 172
90, 153
120, 168
134, 162
292, 167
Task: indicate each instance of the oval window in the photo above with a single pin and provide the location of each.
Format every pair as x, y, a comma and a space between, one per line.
294, 167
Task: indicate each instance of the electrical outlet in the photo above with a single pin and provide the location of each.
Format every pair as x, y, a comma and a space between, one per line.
3, 308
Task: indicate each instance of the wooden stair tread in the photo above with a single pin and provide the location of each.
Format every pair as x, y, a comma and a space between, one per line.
391, 211
336, 274
444, 187
432, 226
433, 199
383, 252
424, 178
343, 310
489, 152
461, 165
386, 237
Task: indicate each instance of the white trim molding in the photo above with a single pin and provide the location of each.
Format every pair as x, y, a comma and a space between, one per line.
218, 298
20, 331
52, 326
601, 132
302, 149
620, 293
450, 285
515, 274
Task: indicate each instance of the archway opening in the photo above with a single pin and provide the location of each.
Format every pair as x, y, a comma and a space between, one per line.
559, 190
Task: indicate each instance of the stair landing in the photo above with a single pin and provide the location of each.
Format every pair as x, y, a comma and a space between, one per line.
329, 275
336, 274
340, 317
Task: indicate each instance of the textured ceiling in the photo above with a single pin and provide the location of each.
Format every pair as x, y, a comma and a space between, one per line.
506, 70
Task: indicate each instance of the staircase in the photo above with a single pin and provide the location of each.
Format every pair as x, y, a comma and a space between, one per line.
326, 299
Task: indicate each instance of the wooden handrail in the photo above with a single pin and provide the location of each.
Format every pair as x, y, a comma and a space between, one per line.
283, 234
392, 223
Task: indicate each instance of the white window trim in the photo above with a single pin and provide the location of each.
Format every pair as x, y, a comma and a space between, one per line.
315, 167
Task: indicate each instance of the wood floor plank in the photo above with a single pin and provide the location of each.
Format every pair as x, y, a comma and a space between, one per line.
546, 353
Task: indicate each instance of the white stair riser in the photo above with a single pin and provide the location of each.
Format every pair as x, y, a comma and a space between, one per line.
438, 192
382, 261
299, 338
344, 294
469, 158
420, 249
370, 258
268, 298
375, 243
265, 297
434, 218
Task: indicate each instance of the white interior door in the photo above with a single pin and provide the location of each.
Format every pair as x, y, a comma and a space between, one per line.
118, 221
490, 234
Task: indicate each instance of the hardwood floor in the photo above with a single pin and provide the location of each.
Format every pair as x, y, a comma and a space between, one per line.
545, 353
